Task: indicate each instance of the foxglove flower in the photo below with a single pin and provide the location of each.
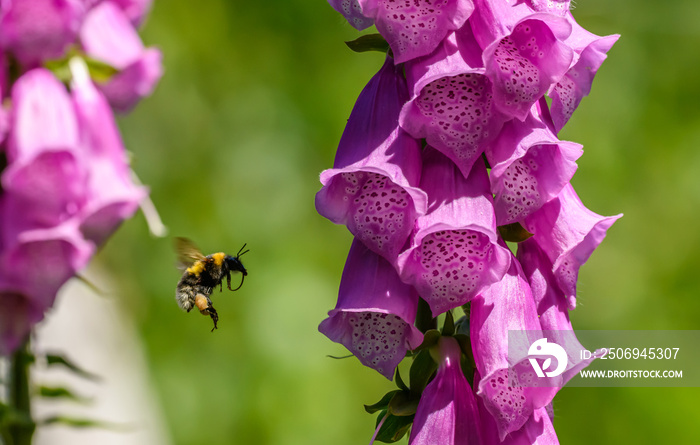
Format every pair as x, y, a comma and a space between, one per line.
375, 312
108, 36
37, 30
415, 28
537, 430
529, 167
568, 233
447, 413
351, 10
454, 253
373, 185
507, 306
44, 182
590, 51
552, 307
111, 195
451, 102
523, 52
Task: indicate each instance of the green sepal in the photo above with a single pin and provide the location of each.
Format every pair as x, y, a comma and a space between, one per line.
383, 404
403, 404
467, 362
462, 326
57, 359
60, 393
399, 381
515, 233
422, 370
368, 42
430, 339
393, 428
99, 71
448, 327
424, 317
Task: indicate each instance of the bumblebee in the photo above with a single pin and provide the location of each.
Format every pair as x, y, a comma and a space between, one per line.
202, 275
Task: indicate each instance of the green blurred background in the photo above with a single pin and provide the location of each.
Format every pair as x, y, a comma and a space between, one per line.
250, 110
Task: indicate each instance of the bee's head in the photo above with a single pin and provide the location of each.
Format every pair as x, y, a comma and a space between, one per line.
234, 262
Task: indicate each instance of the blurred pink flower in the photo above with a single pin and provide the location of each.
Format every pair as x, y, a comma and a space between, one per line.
37, 30
108, 36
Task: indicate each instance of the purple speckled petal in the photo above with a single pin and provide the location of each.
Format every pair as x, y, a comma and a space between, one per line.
495, 19
447, 413
552, 307
452, 104
568, 233
37, 30
454, 253
529, 167
373, 185
375, 312
537, 430
414, 28
556, 7
590, 52
506, 305
351, 10
524, 64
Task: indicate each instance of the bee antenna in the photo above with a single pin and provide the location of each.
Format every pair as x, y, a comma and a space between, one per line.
241, 252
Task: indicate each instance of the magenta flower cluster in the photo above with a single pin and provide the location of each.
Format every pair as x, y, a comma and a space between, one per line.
65, 176
451, 146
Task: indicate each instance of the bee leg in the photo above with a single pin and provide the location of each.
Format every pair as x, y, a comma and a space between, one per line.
203, 303
228, 280
221, 286
214, 317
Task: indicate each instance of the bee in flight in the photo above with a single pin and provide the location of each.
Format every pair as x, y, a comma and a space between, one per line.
202, 275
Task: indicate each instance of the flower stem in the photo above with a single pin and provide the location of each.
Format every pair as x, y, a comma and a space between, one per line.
22, 429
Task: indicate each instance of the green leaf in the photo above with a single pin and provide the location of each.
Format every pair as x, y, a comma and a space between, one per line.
83, 423
403, 404
383, 404
368, 42
514, 233
399, 381
422, 370
394, 427
57, 359
335, 357
60, 393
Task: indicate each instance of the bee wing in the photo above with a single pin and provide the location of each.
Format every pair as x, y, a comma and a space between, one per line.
187, 252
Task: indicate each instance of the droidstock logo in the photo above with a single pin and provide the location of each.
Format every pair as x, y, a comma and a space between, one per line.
542, 348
